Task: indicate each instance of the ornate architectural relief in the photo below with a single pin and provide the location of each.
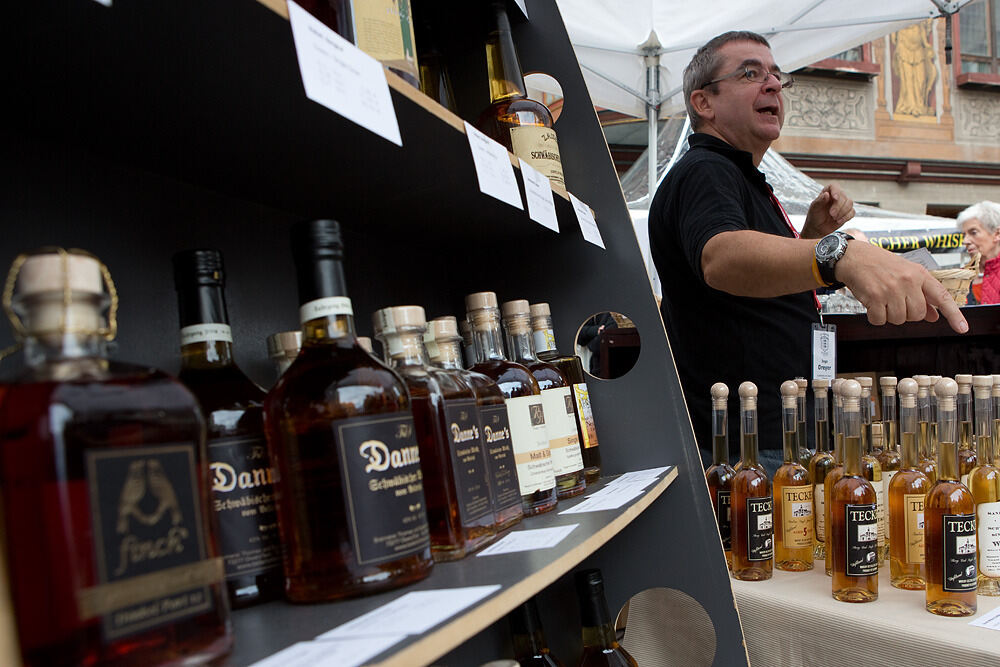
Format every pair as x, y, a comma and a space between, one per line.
829, 108
977, 116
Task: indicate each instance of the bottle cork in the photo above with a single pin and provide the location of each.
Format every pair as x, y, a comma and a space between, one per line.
850, 390
923, 385
445, 329
865, 381
540, 310
964, 381
888, 385
803, 385
981, 385
789, 392
748, 395
720, 396
53, 272
946, 390
821, 387
409, 317
907, 389
482, 310
996, 387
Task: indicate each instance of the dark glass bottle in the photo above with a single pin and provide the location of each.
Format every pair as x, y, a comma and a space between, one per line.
232, 404
339, 410
793, 494
720, 474
104, 481
600, 646
435, 80
528, 637
752, 504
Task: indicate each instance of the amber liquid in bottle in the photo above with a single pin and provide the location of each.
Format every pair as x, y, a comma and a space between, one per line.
793, 495
600, 646
872, 470
752, 507
804, 453
984, 482
907, 493
720, 474
835, 472
819, 465
528, 637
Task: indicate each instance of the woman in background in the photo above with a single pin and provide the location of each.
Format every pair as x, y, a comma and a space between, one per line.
980, 223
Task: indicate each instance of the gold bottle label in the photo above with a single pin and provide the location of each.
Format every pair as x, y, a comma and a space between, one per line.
586, 414
538, 147
914, 503
797, 516
530, 439
384, 30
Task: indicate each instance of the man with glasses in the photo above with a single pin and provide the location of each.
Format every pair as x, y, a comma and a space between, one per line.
738, 280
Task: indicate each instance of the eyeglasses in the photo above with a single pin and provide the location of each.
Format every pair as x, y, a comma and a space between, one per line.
756, 74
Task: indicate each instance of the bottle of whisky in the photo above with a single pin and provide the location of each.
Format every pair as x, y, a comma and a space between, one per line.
995, 398
232, 405
600, 646
889, 458
103, 476
720, 474
525, 412
793, 520
522, 125
966, 443
435, 80
854, 529
984, 482
837, 471
932, 424
351, 504
526, 634
283, 347
928, 455
752, 525
950, 521
802, 438
872, 468
820, 465
493, 425
459, 511
557, 398
907, 491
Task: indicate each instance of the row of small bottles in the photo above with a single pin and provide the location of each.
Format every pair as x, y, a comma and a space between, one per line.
932, 511
349, 477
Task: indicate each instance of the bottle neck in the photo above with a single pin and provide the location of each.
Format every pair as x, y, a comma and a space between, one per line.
486, 335
57, 331
405, 349
947, 444
852, 442
595, 618
520, 346
206, 338
789, 441
748, 436
504, 70
908, 436
528, 644
325, 312
720, 446
449, 355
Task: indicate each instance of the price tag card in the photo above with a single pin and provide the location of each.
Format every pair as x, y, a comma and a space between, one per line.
493, 168
824, 347
538, 192
341, 653
990, 619
587, 223
529, 540
342, 77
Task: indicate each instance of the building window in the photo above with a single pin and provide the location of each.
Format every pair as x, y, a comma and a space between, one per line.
978, 37
856, 63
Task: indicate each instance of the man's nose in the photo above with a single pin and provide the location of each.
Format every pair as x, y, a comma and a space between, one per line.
772, 84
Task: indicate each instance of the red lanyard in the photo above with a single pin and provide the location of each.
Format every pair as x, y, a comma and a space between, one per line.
781, 209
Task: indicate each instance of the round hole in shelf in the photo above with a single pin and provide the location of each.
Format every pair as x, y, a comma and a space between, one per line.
608, 344
544, 88
666, 627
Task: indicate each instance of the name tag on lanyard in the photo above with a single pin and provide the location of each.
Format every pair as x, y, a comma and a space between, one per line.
824, 351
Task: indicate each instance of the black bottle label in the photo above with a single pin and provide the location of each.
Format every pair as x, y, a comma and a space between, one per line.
383, 487
760, 529
467, 459
724, 517
862, 540
500, 454
149, 539
243, 499
959, 535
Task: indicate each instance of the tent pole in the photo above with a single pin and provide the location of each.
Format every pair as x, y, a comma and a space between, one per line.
652, 49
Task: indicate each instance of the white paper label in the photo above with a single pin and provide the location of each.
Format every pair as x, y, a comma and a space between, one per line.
588, 225
990, 619
346, 652
820, 501
493, 168
560, 420
529, 540
988, 532
881, 511
530, 441
325, 307
206, 333
538, 192
544, 340
824, 351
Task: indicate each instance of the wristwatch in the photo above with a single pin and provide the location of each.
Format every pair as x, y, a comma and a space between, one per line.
828, 251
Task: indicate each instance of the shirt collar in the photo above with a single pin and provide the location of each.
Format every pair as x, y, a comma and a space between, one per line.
742, 159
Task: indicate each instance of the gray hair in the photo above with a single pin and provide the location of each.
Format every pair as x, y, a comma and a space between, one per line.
706, 61
987, 212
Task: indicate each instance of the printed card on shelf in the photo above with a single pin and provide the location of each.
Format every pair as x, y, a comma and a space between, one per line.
538, 192
990, 619
342, 77
587, 223
343, 653
493, 168
529, 540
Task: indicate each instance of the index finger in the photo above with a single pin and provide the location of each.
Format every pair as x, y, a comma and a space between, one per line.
937, 295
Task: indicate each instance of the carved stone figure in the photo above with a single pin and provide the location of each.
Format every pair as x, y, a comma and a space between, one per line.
913, 63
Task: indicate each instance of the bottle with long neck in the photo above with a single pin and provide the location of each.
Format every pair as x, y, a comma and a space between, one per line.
525, 412
928, 458
557, 399
793, 493
950, 521
752, 506
801, 436
984, 482
966, 438
871, 466
101, 463
907, 492
522, 125
820, 465
234, 418
720, 474
889, 458
570, 365
837, 471
600, 647
854, 529
528, 637
995, 398
338, 409
932, 437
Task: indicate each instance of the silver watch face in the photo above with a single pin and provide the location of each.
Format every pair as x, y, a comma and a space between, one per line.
827, 248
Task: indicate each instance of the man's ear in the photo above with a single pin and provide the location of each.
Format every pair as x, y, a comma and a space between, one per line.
701, 102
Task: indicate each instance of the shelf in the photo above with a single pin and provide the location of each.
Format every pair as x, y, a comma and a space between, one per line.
520, 575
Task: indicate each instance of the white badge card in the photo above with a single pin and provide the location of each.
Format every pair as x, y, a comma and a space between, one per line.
588, 226
342, 77
538, 192
824, 347
493, 168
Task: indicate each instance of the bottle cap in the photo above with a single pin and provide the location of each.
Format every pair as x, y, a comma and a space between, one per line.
907, 389
202, 266
865, 381
411, 317
964, 381
946, 389
480, 300
720, 396
802, 384
515, 316
823, 385
285, 344
516, 307
540, 310
789, 392
888, 385
366, 343
317, 238
850, 390
981, 385
444, 329
54, 272
923, 384
996, 389
748, 395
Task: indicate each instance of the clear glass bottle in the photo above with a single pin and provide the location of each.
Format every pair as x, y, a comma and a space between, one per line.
984, 482
528, 637
557, 400
570, 365
600, 646
928, 455
950, 521
445, 353
242, 485
720, 474
469, 352
793, 492
995, 397
336, 409
966, 439
907, 492
802, 438
837, 471
854, 514
752, 506
889, 458
283, 347
104, 480
871, 466
525, 412
820, 465
932, 425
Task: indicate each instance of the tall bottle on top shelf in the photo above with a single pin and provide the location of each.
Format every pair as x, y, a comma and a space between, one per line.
351, 503
522, 125
572, 368
557, 398
528, 637
804, 453
793, 494
870, 465
435, 80
505, 495
928, 455
99, 462
984, 482
525, 411
949, 521
242, 485
720, 474
907, 493
820, 464
600, 646
966, 438
837, 471
459, 511
752, 525
888, 457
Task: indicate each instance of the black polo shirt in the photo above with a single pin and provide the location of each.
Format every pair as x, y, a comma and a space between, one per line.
715, 336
